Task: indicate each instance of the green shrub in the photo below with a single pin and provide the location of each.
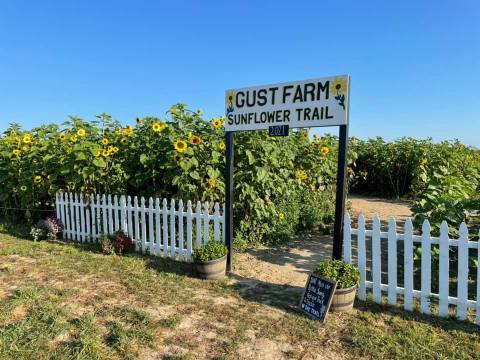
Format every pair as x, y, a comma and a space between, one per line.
346, 275
211, 251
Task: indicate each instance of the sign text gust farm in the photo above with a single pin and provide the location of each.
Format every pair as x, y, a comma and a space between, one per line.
307, 103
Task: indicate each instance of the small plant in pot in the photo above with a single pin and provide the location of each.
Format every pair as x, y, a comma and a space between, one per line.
211, 260
347, 278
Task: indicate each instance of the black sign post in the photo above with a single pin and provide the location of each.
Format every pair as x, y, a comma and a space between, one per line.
229, 198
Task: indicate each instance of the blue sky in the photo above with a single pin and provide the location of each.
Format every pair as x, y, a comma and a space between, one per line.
415, 65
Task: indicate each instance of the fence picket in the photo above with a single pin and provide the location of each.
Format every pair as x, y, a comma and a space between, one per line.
76, 207
137, 223
97, 215
376, 261
426, 268
198, 224
151, 234
143, 224
88, 230
223, 223
72, 216
189, 230
206, 223
347, 242
392, 261
443, 279
165, 227
408, 265
362, 257
172, 229
104, 214
115, 207
110, 214
158, 229
63, 215
478, 281
123, 214
93, 217
81, 209
180, 230
129, 217
462, 288
216, 224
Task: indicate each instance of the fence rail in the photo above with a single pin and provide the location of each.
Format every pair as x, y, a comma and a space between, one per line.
453, 289
154, 226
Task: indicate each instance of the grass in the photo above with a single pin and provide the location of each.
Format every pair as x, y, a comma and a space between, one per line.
66, 301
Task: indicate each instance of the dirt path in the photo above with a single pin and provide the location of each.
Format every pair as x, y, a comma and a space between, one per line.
288, 266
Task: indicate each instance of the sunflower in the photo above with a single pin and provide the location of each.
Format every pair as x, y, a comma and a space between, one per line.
180, 146
302, 175
216, 123
158, 126
221, 146
124, 141
229, 97
325, 150
27, 138
424, 162
195, 140
212, 183
98, 153
62, 136
338, 86
104, 141
105, 153
23, 188
37, 179
115, 149
118, 131
128, 130
74, 138
281, 216
177, 158
81, 132
16, 152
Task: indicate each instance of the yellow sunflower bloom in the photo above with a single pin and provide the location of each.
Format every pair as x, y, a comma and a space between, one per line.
180, 146
212, 183
177, 158
338, 86
115, 149
302, 175
81, 132
159, 126
62, 136
424, 162
281, 216
118, 131
105, 153
216, 123
222, 146
16, 152
104, 141
229, 97
325, 150
74, 138
98, 153
128, 130
23, 188
195, 140
27, 138
124, 141
37, 179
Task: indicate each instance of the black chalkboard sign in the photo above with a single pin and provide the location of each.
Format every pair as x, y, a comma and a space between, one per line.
317, 297
278, 130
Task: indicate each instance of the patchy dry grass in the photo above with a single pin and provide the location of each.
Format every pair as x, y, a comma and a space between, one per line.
65, 301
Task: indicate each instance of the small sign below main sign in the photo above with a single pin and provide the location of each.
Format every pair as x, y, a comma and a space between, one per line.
298, 104
317, 297
278, 130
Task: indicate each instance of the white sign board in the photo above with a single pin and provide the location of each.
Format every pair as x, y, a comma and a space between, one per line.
298, 104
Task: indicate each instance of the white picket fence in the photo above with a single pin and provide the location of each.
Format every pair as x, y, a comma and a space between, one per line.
361, 256
161, 230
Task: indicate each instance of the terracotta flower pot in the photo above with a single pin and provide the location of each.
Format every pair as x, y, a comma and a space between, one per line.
343, 299
213, 269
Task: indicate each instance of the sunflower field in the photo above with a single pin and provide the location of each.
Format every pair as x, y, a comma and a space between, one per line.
281, 184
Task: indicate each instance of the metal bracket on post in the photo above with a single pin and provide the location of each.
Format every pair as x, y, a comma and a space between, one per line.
229, 198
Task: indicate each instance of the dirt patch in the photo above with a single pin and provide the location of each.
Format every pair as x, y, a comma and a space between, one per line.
371, 206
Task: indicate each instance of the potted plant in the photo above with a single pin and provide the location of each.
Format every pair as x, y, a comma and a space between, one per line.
347, 278
211, 260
